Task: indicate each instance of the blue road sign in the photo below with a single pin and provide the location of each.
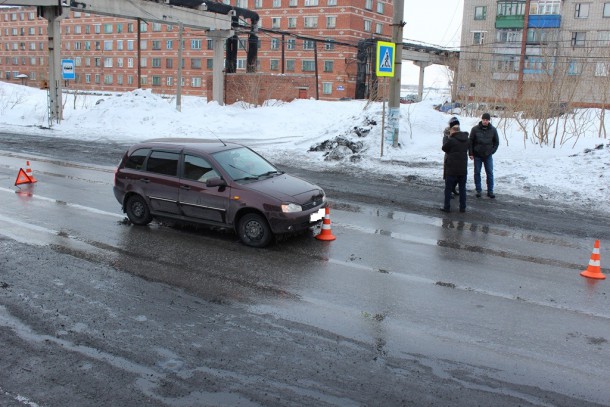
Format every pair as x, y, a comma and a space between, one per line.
67, 69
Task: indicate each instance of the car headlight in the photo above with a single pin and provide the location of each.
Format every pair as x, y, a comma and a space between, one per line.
291, 208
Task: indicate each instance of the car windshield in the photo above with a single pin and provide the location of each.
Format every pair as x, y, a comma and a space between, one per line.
244, 164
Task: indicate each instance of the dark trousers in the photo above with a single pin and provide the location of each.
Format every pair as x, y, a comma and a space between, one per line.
450, 182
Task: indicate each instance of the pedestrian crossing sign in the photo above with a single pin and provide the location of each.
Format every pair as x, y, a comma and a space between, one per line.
385, 58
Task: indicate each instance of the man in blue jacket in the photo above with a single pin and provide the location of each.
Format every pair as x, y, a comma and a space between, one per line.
484, 142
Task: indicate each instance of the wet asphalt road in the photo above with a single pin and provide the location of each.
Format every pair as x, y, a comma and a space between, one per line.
406, 307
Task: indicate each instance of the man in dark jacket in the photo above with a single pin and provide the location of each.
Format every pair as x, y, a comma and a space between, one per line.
456, 165
484, 142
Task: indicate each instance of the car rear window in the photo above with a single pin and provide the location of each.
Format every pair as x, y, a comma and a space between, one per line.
136, 160
162, 162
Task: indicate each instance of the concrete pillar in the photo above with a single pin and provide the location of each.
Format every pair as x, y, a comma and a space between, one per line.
420, 89
53, 15
218, 38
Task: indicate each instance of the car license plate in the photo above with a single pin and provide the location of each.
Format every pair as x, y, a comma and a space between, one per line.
316, 216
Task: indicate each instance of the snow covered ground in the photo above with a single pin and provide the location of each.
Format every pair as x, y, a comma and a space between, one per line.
576, 173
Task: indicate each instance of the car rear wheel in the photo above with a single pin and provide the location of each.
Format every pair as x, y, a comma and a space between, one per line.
254, 230
137, 210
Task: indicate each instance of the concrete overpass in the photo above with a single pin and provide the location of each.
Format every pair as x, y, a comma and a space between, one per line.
424, 56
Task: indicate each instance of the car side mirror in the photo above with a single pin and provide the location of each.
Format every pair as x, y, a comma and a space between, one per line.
215, 182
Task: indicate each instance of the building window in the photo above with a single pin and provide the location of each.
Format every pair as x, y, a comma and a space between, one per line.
275, 43
292, 22
311, 3
310, 22
129, 62
143, 62
169, 63
508, 36
107, 79
119, 28
582, 10
290, 65
210, 63
195, 63
156, 27
277, 3
602, 69
606, 10
511, 8
156, 45
258, 3
478, 37
309, 44
107, 28
378, 28
368, 4
331, 2
331, 21
77, 30
242, 3
87, 78
575, 68
156, 62
604, 38
156, 80
143, 44
129, 28
329, 45
480, 12
96, 78
97, 61
368, 24
130, 79
293, 3
327, 88
274, 65
97, 28
143, 26
169, 44
119, 79
308, 66
129, 45
169, 81
107, 62
119, 62
380, 7
578, 39
291, 43
328, 66
195, 82
119, 45
275, 22
108, 45
195, 44
506, 63
543, 7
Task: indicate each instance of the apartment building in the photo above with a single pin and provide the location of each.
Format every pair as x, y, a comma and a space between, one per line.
528, 51
295, 37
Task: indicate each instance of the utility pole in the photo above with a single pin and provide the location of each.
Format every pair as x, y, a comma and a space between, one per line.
179, 80
394, 99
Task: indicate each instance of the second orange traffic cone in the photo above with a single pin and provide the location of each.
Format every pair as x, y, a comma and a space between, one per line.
594, 269
28, 171
326, 233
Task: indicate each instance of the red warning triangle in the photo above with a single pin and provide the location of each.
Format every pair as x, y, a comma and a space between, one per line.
22, 178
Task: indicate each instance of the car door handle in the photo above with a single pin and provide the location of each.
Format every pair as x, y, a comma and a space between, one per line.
145, 180
188, 188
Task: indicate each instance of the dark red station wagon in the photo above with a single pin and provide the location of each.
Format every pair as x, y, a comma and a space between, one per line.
218, 184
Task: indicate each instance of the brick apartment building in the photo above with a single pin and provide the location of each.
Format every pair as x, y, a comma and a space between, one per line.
105, 49
528, 51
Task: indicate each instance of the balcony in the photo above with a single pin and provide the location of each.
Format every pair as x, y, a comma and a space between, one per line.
544, 21
510, 21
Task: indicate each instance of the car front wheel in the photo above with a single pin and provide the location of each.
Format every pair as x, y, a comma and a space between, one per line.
137, 210
254, 230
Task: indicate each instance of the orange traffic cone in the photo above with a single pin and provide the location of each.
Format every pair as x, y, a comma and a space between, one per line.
326, 233
594, 269
28, 171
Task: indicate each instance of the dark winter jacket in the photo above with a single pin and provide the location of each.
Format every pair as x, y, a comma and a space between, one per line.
456, 147
484, 140
445, 137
